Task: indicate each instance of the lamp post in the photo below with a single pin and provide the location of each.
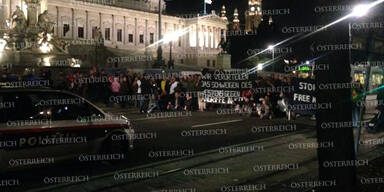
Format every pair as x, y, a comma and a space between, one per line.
359, 11
159, 63
169, 39
272, 48
171, 63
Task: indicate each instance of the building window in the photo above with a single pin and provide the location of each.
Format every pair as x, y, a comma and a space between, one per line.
222, 33
130, 38
151, 38
141, 38
120, 35
107, 34
80, 32
94, 29
179, 42
214, 63
182, 61
65, 29
208, 63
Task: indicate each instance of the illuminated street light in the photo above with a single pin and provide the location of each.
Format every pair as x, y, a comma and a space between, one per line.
361, 10
272, 48
260, 67
170, 37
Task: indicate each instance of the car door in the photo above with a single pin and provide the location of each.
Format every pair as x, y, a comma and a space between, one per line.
25, 125
74, 117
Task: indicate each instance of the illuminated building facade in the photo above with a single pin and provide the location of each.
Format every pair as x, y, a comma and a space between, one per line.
130, 27
253, 16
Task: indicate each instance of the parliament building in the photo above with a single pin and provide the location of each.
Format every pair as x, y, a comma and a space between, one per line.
130, 27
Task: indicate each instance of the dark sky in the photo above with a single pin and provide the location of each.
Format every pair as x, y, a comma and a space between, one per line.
195, 6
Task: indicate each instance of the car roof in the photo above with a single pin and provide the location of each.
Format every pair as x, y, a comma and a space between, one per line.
33, 89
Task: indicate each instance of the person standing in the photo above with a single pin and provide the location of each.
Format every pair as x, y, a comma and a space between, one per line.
172, 90
145, 92
115, 86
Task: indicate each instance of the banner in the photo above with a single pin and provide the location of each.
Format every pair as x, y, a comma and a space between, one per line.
303, 96
224, 86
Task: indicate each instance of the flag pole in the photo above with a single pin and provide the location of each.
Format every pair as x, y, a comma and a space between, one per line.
205, 7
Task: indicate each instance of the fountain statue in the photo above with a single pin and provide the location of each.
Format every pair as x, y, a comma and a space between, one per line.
29, 38
45, 25
18, 17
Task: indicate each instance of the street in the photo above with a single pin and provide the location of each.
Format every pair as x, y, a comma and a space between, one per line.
154, 136
244, 158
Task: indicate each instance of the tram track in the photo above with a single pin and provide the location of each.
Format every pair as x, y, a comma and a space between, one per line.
175, 160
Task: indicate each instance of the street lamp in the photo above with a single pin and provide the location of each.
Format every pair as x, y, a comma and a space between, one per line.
357, 12
159, 63
272, 48
260, 67
170, 38
360, 10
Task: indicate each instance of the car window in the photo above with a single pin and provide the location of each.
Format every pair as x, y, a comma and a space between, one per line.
39, 105
69, 107
17, 106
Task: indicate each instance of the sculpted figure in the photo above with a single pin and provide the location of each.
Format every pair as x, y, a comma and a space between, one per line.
18, 17
99, 37
44, 23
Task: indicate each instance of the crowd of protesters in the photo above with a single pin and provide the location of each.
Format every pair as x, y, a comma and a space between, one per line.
268, 98
146, 91
150, 92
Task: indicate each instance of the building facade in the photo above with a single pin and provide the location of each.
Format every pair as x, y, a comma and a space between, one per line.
253, 16
130, 27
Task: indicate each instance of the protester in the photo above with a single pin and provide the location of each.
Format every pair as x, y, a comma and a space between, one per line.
162, 91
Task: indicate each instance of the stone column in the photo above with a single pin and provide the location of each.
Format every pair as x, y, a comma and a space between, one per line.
125, 31
100, 21
146, 33
72, 27
135, 32
57, 21
86, 30
9, 3
156, 38
214, 37
197, 36
113, 29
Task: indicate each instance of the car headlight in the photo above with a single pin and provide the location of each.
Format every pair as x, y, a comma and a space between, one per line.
126, 121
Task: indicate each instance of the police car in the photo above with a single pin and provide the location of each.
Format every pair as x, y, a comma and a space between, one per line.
43, 126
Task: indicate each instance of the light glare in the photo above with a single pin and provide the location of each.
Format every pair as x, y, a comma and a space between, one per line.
360, 10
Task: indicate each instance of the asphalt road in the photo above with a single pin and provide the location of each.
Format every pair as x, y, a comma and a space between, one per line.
166, 134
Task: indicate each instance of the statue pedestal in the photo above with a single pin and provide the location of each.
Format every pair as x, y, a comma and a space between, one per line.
224, 61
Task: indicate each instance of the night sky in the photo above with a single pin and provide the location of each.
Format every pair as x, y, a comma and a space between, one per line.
301, 14
196, 6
